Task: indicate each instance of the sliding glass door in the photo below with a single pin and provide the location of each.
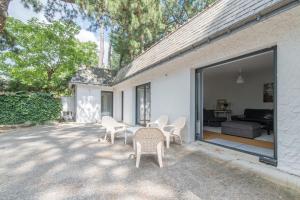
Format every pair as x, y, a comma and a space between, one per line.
143, 104
106, 103
239, 110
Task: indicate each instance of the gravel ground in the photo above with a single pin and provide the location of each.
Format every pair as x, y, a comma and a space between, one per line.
67, 162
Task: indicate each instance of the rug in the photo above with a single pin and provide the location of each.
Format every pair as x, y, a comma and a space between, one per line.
265, 137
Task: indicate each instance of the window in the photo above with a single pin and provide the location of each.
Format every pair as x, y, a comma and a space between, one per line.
143, 104
106, 103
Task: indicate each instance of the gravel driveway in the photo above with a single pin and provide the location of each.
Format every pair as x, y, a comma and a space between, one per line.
67, 162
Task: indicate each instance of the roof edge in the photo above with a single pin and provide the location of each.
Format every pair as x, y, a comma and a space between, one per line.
253, 19
179, 27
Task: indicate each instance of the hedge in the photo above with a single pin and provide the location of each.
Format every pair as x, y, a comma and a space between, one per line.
34, 108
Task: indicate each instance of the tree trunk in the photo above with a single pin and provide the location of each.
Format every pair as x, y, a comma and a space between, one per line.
49, 74
121, 60
101, 45
3, 13
109, 54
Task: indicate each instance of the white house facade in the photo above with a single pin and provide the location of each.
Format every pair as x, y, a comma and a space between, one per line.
173, 69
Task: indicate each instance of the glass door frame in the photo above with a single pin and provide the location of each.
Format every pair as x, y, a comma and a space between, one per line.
137, 121
199, 96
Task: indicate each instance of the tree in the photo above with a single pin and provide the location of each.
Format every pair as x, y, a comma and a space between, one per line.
35, 4
135, 26
95, 11
46, 57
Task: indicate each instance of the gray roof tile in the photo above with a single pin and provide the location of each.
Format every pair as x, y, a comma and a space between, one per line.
93, 76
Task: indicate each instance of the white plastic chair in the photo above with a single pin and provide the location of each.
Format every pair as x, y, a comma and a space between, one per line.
174, 130
149, 141
161, 122
112, 127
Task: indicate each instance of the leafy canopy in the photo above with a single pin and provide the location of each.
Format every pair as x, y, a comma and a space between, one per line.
45, 56
138, 24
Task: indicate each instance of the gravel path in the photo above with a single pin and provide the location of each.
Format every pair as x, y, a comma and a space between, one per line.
67, 162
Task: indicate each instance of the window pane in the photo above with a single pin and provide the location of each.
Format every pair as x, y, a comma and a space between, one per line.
106, 103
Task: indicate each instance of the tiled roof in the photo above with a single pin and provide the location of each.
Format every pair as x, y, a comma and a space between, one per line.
93, 76
222, 17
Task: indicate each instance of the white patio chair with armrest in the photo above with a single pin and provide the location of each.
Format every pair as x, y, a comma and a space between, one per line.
174, 130
161, 122
112, 127
149, 141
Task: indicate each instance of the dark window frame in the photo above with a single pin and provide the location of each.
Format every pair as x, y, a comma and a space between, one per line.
112, 94
136, 105
199, 102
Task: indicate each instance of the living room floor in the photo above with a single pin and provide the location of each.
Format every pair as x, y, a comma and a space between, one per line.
261, 147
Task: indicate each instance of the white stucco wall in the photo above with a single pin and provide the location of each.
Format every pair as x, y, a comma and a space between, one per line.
282, 30
170, 95
117, 105
129, 106
289, 99
88, 104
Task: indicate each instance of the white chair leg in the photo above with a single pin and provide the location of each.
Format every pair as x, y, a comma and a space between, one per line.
163, 151
134, 144
112, 136
138, 155
159, 154
105, 136
125, 134
180, 139
168, 141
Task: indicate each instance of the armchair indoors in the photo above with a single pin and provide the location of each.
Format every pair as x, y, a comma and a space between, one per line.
209, 118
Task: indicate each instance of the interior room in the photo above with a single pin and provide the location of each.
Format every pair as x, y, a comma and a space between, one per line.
238, 104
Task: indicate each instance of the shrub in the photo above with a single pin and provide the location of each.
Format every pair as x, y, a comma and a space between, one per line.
21, 107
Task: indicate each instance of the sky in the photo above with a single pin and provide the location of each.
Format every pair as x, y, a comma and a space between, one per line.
18, 11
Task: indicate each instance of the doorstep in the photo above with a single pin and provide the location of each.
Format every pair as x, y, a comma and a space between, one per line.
247, 162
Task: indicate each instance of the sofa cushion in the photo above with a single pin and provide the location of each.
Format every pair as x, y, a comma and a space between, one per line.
258, 114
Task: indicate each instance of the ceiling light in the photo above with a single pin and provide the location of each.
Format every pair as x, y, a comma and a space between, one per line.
240, 79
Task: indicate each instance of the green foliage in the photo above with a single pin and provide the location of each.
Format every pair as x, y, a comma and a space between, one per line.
45, 57
21, 108
134, 25
137, 24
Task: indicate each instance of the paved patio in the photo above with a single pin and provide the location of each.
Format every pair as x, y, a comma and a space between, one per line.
68, 162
